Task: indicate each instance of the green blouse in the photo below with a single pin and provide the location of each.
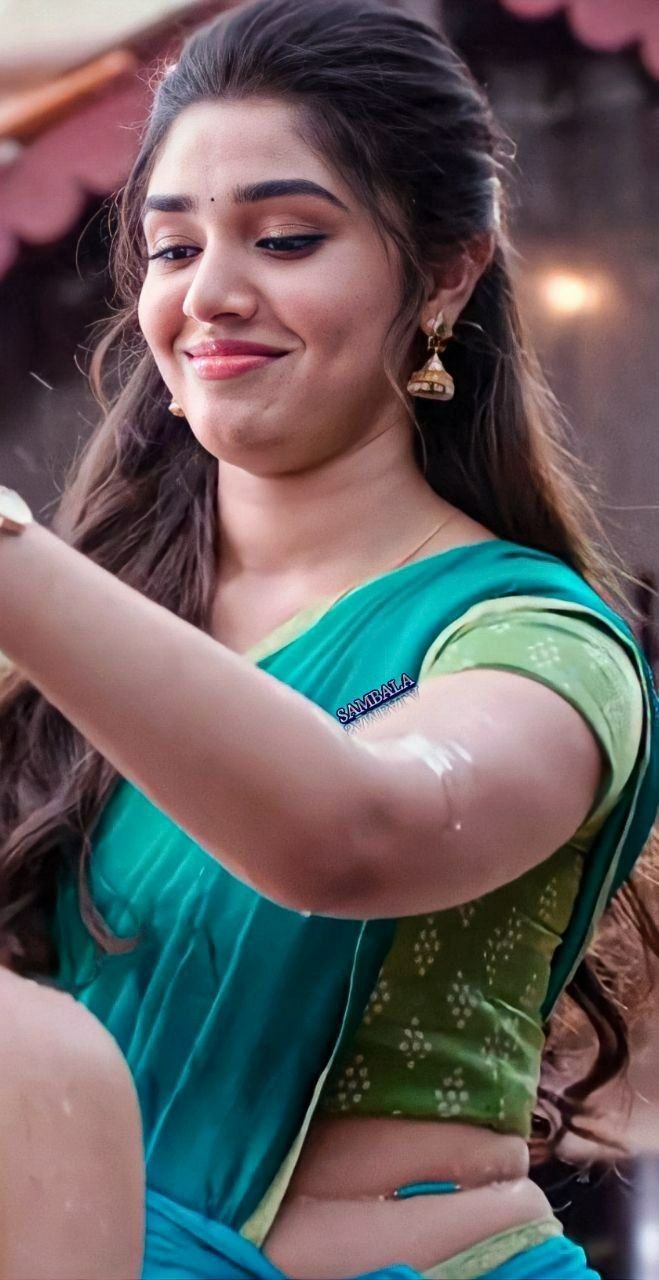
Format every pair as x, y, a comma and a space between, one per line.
453, 1028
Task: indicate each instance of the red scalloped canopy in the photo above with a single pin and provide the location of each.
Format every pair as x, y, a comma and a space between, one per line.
43, 193
603, 24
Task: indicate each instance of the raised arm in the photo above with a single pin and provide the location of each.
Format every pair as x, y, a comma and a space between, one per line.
254, 772
481, 776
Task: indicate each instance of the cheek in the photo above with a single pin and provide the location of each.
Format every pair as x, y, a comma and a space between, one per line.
341, 323
339, 306
157, 319
145, 315
357, 309
159, 333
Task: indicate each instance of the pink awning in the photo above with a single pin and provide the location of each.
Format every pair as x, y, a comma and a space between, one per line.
75, 135
44, 191
603, 24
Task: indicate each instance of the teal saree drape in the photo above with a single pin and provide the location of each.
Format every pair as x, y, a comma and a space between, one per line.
232, 1009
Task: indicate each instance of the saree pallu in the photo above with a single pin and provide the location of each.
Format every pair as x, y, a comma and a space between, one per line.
231, 1009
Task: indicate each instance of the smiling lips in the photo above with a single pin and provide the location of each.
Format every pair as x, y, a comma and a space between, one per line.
229, 357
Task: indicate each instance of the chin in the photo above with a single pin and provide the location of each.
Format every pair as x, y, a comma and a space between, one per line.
239, 442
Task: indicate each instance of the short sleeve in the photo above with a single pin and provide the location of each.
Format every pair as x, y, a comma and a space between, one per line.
569, 652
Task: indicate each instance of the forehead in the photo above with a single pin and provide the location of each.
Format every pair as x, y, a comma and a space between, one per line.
212, 145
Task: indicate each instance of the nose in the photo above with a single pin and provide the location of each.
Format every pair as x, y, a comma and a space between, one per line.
219, 287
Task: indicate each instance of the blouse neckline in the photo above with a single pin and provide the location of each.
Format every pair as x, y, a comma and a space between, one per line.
305, 619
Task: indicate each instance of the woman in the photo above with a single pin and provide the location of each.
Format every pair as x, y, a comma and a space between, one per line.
322, 879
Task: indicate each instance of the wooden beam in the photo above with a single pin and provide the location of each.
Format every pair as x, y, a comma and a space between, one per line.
23, 116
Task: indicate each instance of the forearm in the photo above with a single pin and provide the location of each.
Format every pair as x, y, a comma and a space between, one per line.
253, 771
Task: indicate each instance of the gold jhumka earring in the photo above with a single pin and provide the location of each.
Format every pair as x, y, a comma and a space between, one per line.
176, 409
432, 382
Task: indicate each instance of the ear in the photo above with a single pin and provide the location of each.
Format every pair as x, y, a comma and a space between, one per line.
455, 281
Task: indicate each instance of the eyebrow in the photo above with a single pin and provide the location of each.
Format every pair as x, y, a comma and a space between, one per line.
251, 193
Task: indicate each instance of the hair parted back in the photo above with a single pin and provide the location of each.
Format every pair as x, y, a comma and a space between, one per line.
386, 102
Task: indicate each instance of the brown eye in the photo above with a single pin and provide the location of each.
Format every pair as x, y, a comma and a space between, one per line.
170, 249
289, 244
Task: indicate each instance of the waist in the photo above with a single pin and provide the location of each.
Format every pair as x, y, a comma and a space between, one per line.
370, 1157
340, 1212
181, 1241
334, 1238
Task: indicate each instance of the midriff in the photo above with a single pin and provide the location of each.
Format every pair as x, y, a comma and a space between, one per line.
335, 1222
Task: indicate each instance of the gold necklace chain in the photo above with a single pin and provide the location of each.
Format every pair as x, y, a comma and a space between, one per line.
432, 533
362, 581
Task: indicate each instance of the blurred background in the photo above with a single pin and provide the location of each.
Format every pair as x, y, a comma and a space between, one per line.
575, 84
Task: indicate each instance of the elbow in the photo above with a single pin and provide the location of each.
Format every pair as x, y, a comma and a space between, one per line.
349, 856
347, 887
332, 878
330, 864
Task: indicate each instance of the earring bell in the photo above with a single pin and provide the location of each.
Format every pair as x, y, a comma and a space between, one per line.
176, 409
432, 382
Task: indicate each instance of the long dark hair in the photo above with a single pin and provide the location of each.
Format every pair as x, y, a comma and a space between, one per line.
389, 104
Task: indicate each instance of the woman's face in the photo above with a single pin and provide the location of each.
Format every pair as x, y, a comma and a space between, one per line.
326, 297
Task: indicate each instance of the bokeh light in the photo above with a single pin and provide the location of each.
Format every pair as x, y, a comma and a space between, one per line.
567, 293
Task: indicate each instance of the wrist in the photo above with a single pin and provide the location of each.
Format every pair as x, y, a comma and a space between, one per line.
15, 515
